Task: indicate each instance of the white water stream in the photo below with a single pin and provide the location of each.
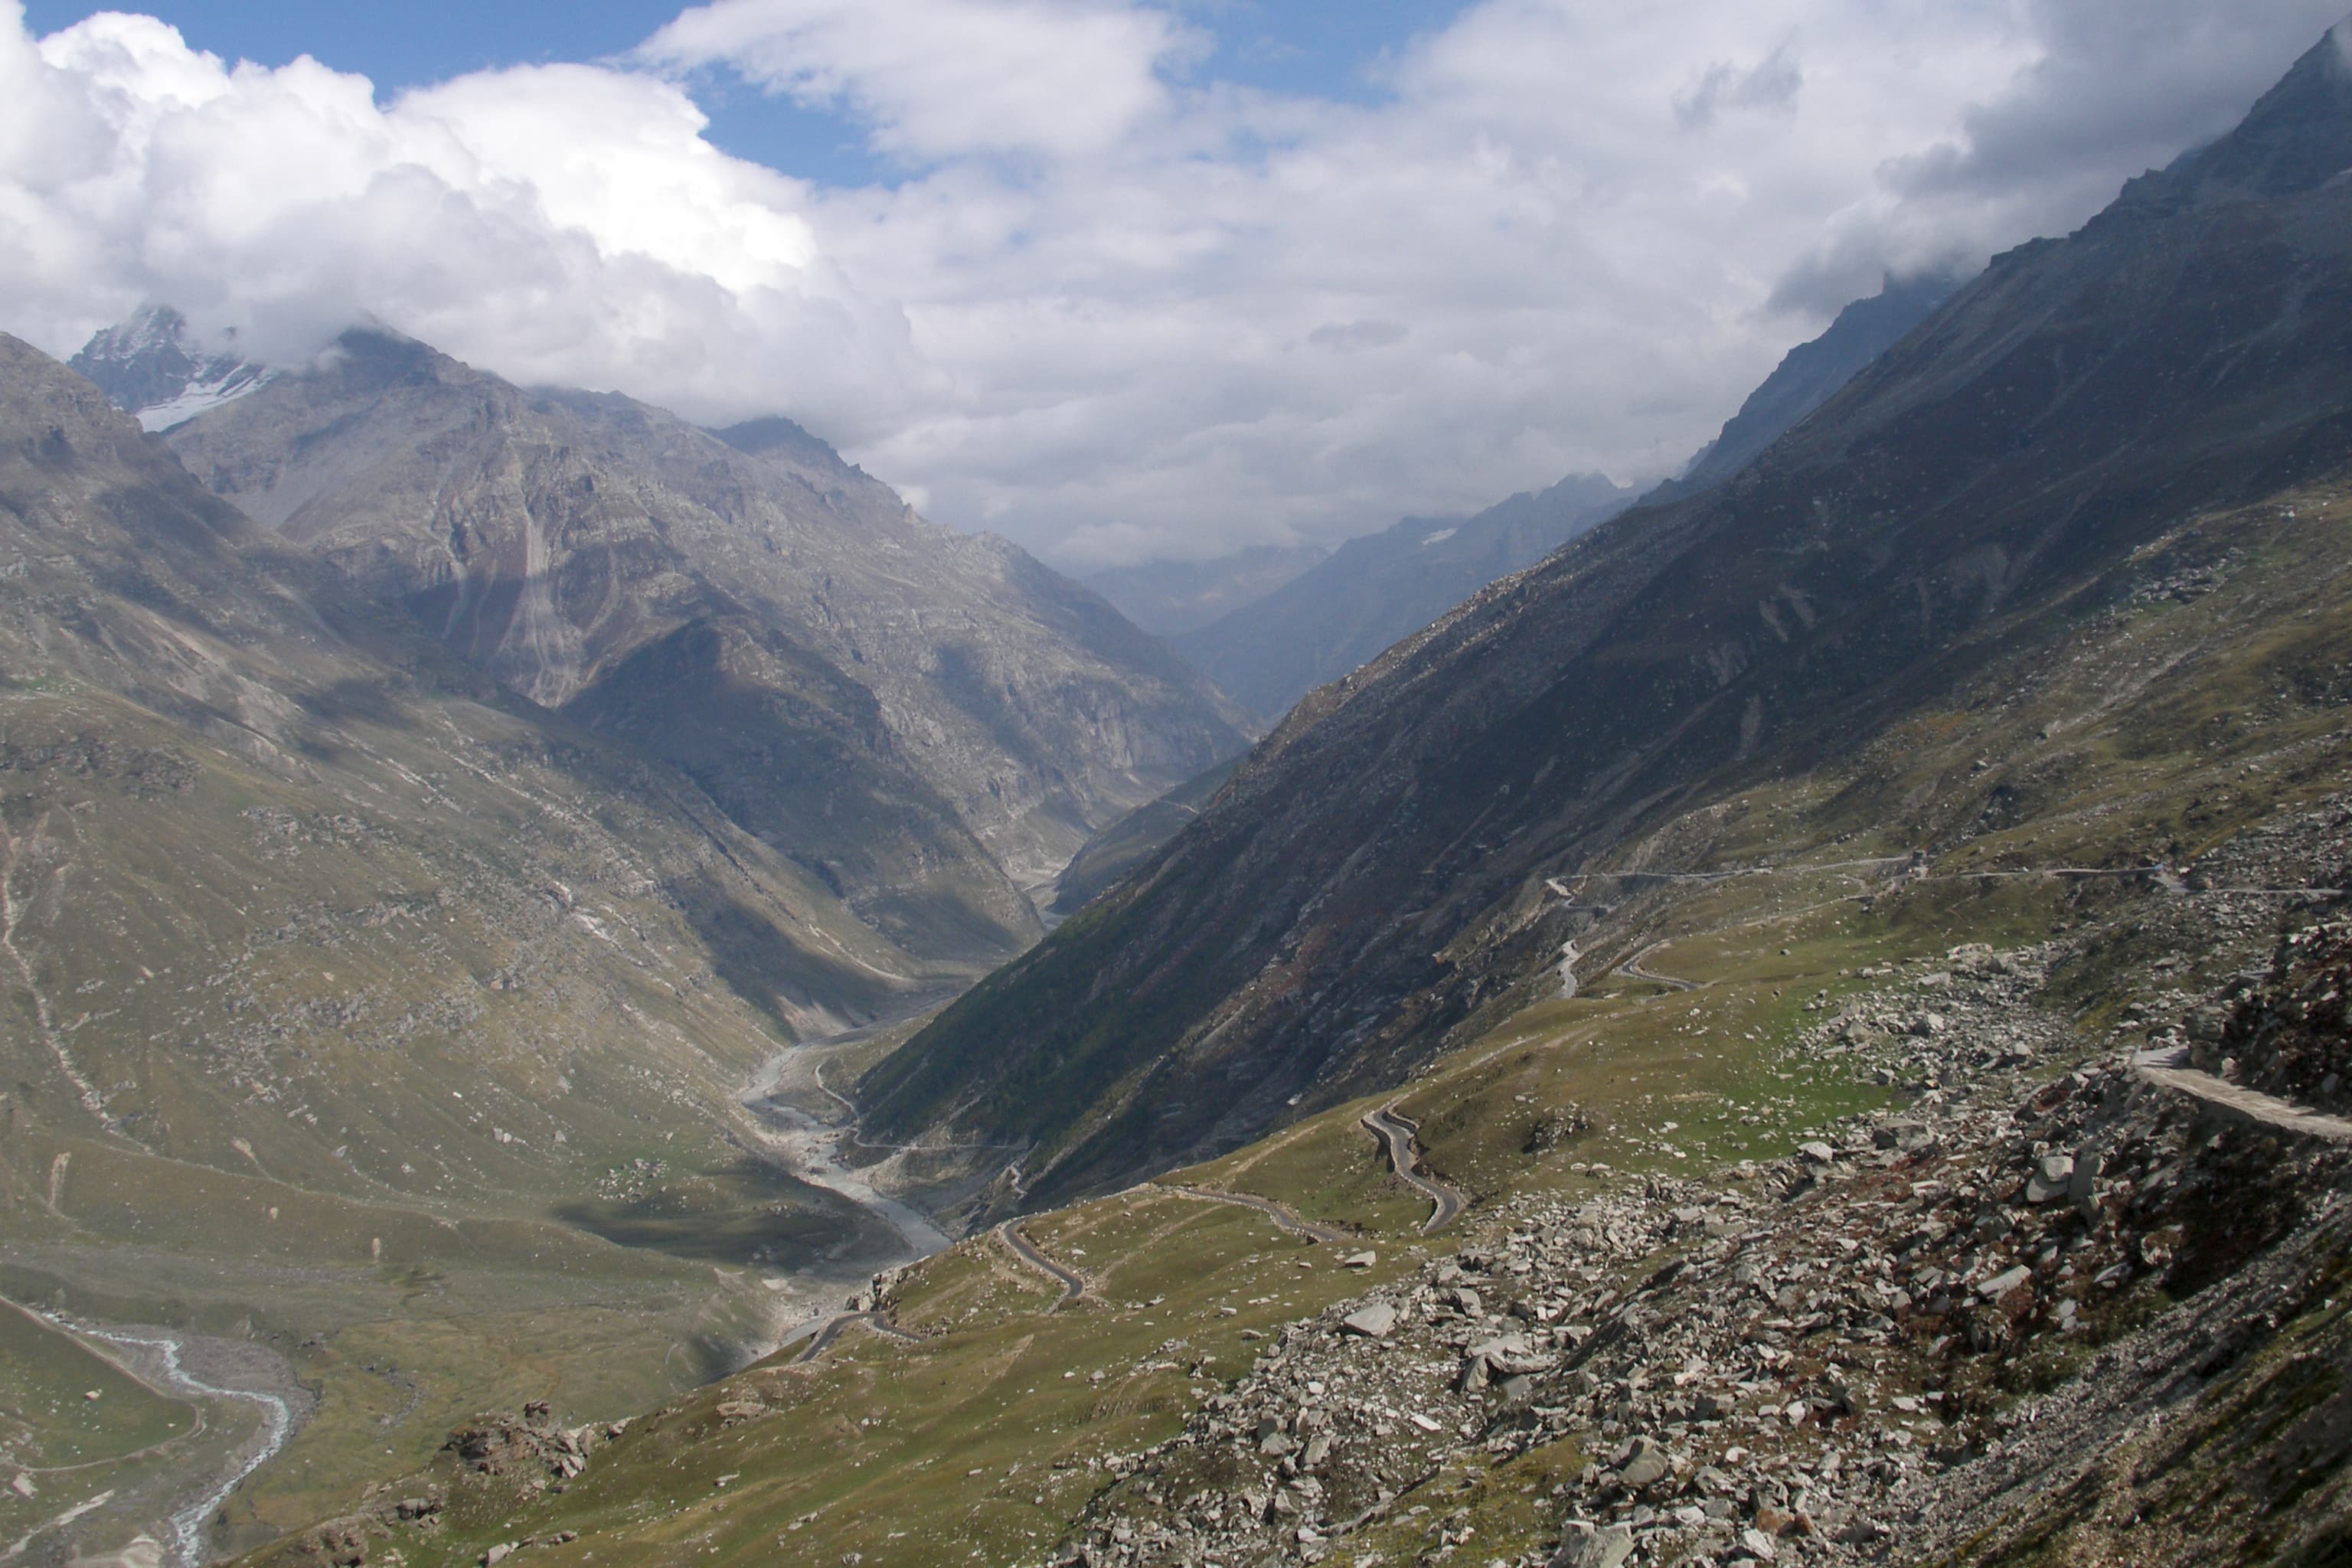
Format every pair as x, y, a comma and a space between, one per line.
815, 1149
188, 1547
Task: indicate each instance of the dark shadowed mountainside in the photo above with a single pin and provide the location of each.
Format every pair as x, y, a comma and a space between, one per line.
1808, 376
1128, 842
1374, 875
1372, 591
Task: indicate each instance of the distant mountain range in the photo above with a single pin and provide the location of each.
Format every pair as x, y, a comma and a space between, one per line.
1372, 884
1372, 591
1299, 626
1170, 599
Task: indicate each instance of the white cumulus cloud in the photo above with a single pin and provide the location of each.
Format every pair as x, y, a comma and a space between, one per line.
563, 223
1105, 301
943, 78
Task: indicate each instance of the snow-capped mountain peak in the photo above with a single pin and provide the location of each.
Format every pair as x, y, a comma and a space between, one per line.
153, 366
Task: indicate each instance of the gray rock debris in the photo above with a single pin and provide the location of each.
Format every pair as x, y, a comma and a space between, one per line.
1773, 1366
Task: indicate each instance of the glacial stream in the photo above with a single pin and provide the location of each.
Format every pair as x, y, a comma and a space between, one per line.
815, 1123
188, 1546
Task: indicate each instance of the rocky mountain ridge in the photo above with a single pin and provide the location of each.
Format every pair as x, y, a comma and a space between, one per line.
927, 721
1808, 376
153, 367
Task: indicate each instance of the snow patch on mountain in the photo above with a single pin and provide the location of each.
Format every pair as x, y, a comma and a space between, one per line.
201, 397
155, 367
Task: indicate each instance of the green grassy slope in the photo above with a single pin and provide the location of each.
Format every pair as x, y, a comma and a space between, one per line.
356, 1009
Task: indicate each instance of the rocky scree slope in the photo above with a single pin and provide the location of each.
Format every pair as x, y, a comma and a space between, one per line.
928, 722
1373, 875
2285, 1031
2008, 1323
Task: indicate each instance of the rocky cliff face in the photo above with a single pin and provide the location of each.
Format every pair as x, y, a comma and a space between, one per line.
1373, 875
929, 724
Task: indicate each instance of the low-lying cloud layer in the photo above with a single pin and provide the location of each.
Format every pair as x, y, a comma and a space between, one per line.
1109, 304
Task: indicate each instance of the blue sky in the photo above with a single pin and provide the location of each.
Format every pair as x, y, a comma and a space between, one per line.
1323, 48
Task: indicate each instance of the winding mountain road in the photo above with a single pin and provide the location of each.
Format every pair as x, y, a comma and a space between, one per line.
1073, 1287
2169, 1069
1266, 1206
1396, 1134
1632, 968
877, 1321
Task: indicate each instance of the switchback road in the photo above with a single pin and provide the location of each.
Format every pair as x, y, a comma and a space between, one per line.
1266, 1206
840, 1320
1396, 1135
1073, 1287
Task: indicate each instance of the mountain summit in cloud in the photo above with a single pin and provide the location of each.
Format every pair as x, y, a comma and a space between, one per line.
153, 367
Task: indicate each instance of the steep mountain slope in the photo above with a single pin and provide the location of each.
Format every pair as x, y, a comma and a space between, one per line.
1128, 842
1808, 376
1804, 379
354, 1007
927, 723
1369, 592
1374, 876
1316, 624
1170, 599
